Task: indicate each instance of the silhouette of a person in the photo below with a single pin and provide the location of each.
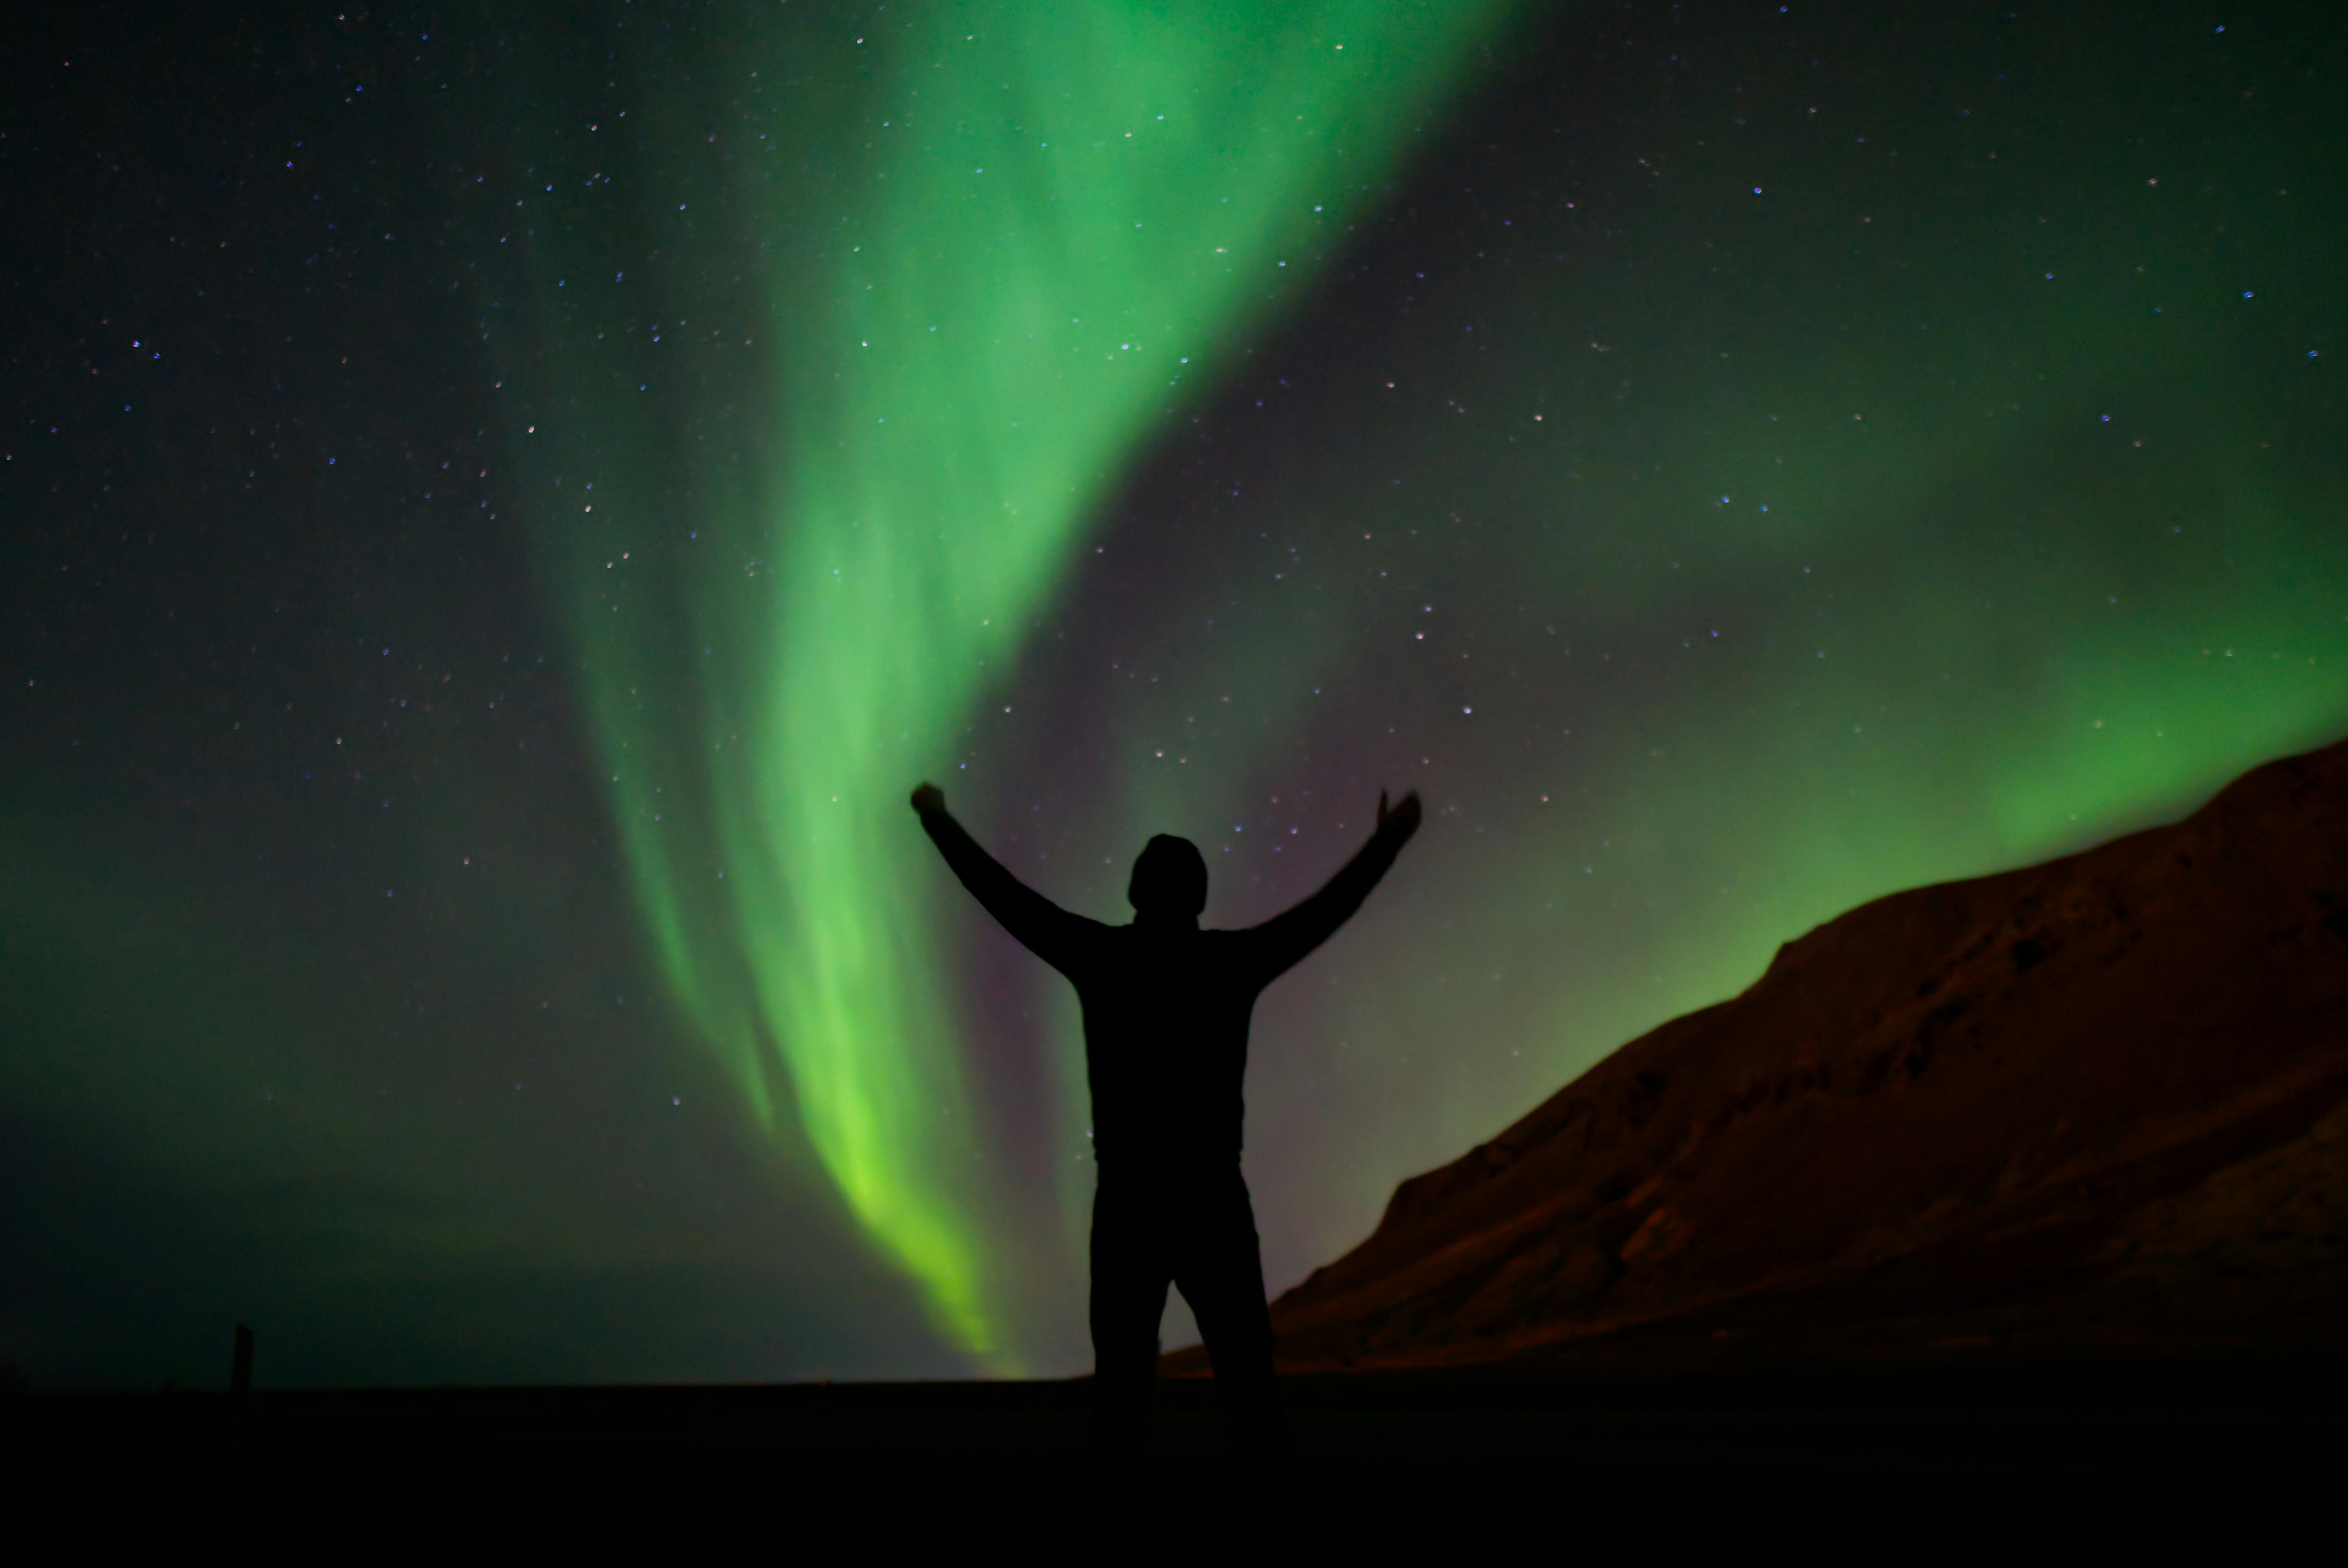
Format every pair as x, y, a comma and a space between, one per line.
1166, 1007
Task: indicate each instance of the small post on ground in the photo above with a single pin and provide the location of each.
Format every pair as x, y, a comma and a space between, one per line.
239, 1367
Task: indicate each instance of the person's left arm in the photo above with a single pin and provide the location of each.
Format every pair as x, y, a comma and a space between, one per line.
1047, 929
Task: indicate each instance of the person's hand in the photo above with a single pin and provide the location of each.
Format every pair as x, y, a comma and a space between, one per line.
928, 798
1402, 819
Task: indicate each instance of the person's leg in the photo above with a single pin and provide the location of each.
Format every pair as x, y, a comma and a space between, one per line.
1220, 1269
1128, 1298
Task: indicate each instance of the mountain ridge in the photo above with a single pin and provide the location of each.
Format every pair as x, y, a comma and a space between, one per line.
2096, 1104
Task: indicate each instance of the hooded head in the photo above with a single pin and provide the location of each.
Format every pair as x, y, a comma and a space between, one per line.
1169, 881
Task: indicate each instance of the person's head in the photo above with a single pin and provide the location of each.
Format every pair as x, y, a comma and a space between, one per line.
1169, 880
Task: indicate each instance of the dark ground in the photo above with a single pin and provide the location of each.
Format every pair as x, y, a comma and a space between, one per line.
2272, 1417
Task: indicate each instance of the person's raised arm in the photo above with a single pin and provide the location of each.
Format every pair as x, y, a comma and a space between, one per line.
1043, 927
1284, 938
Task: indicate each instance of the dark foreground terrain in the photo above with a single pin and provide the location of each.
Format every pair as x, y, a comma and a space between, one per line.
2271, 1415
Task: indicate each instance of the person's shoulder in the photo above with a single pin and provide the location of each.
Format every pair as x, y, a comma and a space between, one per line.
1098, 935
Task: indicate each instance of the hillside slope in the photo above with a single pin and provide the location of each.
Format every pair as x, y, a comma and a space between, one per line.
2096, 1105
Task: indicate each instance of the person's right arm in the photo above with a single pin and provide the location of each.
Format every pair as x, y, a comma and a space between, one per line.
1279, 942
1043, 927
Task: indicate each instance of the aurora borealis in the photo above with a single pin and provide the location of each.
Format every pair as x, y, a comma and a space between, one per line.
504, 502
975, 315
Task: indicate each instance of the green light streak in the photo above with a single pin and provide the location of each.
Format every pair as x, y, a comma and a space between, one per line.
976, 263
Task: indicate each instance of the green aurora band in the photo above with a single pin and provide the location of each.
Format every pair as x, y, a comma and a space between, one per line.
834, 343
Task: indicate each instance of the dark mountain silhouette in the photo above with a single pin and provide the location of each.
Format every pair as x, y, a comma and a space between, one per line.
2098, 1106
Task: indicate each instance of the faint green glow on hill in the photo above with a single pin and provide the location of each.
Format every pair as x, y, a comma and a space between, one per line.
922, 293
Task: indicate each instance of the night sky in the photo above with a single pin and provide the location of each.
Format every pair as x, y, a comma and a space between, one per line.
500, 505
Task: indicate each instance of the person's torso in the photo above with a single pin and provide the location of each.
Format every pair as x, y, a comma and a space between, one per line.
1165, 1035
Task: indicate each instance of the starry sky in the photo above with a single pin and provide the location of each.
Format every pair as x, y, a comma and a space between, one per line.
502, 502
